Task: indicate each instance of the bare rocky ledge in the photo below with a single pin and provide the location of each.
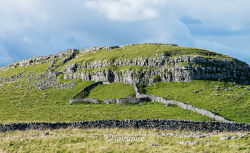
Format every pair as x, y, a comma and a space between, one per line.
161, 68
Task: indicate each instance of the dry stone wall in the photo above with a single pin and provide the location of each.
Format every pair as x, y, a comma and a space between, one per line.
179, 104
139, 124
80, 98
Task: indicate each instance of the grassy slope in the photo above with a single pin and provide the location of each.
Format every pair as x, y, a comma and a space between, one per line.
93, 140
22, 105
234, 104
39, 69
142, 50
113, 90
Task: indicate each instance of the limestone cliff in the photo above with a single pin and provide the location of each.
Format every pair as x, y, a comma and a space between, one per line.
160, 68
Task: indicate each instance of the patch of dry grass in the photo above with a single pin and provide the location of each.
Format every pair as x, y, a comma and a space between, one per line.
120, 140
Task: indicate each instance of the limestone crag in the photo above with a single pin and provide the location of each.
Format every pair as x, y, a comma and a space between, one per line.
160, 68
42, 81
99, 48
64, 56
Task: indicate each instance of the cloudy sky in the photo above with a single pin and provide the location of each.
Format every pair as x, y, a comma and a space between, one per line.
31, 28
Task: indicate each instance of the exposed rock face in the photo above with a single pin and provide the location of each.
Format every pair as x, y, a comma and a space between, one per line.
161, 68
64, 56
99, 48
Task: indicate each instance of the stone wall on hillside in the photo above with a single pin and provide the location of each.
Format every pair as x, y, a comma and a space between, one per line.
163, 124
183, 105
138, 98
80, 96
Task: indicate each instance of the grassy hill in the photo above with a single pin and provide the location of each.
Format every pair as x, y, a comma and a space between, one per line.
23, 100
146, 50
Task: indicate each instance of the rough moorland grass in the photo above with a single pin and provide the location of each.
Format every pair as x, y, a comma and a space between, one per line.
26, 105
144, 50
95, 140
222, 98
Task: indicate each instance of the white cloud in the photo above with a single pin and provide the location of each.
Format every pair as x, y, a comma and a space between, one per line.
231, 14
15, 15
126, 10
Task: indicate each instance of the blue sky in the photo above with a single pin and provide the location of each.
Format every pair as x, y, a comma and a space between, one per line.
31, 28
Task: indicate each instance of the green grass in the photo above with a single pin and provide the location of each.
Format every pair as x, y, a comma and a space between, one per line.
33, 105
233, 105
24, 105
113, 90
144, 50
95, 140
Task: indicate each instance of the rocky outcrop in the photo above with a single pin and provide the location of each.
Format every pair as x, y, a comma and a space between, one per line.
99, 48
162, 124
63, 56
16, 77
145, 70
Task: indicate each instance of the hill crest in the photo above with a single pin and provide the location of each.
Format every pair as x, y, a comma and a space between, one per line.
141, 63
